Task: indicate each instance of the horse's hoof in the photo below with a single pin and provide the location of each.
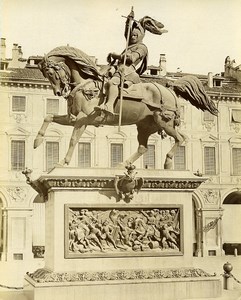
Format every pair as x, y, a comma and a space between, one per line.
60, 164
168, 165
37, 142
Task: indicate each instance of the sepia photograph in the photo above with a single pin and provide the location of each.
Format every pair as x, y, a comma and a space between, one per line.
120, 150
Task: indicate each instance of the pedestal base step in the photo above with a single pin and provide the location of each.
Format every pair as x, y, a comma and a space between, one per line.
168, 284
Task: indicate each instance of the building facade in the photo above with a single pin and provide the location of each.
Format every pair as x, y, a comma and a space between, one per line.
213, 151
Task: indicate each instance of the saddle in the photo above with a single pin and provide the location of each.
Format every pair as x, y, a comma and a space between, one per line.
133, 92
138, 92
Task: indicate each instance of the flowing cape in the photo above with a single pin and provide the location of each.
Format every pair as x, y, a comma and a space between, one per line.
84, 63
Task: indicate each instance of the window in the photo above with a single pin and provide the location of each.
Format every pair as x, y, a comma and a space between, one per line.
52, 106
180, 159
217, 82
208, 117
236, 116
52, 154
17, 155
18, 103
153, 71
116, 154
209, 161
149, 157
84, 155
236, 154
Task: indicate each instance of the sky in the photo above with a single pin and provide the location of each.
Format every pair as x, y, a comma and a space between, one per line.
201, 33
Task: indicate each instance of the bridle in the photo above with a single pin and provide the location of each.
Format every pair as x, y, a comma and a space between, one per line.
57, 67
90, 89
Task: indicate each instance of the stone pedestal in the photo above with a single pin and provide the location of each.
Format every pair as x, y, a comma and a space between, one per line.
100, 244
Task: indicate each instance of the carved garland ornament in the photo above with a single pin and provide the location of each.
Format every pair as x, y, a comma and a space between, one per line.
44, 275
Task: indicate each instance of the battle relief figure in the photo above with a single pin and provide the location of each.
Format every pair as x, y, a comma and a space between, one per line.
116, 231
95, 98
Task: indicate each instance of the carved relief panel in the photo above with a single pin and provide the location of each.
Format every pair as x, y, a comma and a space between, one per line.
113, 231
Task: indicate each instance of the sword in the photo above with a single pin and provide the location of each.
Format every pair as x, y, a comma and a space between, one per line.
124, 63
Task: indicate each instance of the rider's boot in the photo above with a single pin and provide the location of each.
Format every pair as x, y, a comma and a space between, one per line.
112, 96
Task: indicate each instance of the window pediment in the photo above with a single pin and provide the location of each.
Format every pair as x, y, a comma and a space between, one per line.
209, 138
17, 131
117, 136
235, 140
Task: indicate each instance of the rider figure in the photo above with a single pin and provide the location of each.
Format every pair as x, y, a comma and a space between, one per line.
136, 62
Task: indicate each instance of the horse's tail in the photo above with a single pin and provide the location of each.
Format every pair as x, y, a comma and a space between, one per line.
190, 88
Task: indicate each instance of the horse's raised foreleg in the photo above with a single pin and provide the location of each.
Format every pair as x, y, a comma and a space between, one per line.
63, 120
39, 138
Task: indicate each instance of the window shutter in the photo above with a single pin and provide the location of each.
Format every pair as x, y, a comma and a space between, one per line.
207, 116
116, 154
52, 106
17, 155
149, 157
18, 103
180, 159
84, 155
236, 153
52, 154
209, 160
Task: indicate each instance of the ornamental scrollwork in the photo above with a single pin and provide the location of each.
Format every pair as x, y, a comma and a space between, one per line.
44, 275
17, 193
210, 196
38, 251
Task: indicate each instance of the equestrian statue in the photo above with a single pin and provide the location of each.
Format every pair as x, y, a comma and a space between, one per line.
114, 94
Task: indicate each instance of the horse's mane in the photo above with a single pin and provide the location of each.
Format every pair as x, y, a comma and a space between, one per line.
84, 62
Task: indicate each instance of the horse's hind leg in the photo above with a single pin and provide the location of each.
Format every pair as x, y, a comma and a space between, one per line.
142, 137
169, 128
140, 151
179, 139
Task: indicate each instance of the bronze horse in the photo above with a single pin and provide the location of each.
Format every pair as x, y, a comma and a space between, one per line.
151, 106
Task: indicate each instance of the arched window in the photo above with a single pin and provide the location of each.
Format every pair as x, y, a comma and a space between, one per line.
231, 223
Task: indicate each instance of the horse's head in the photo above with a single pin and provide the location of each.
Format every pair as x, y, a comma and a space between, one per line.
58, 74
